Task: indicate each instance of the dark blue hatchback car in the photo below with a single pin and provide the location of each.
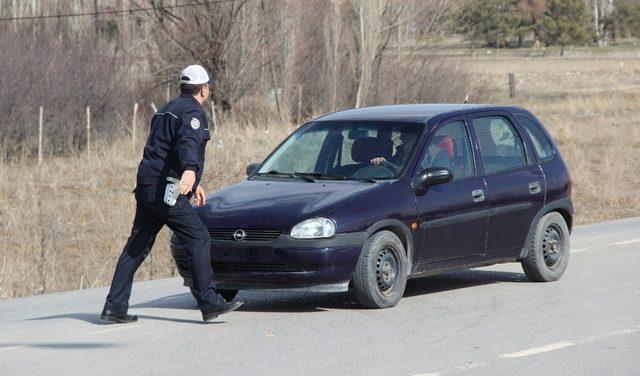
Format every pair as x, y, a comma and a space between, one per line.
363, 199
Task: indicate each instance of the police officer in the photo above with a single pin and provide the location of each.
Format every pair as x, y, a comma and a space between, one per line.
175, 148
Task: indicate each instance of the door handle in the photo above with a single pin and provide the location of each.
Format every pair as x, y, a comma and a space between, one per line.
534, 187
478, 195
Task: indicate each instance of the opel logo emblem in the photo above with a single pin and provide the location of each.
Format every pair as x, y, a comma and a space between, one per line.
239, 235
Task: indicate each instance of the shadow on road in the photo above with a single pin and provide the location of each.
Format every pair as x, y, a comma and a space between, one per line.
176, 301
94, 318
91, 318
459, 280
180, 321
308, 302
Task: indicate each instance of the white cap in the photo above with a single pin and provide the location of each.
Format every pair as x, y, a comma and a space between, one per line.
194, 75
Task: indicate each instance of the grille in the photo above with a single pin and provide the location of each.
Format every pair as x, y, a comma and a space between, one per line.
252, 235
260, 267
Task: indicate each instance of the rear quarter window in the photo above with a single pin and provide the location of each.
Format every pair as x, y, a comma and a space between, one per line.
540, 142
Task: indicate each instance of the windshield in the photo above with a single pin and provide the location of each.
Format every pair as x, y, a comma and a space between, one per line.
357, 150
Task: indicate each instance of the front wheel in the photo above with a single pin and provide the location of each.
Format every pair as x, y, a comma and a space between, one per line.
548, 253
381, 273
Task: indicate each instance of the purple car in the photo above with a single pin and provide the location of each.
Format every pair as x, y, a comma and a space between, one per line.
364, 199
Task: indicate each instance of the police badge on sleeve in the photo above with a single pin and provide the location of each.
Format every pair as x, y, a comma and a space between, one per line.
195, 123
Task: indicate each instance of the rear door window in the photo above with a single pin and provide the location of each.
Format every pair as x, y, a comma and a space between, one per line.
540, 142
500, 144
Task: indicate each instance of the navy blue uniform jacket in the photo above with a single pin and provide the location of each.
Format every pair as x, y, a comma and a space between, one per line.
177, 140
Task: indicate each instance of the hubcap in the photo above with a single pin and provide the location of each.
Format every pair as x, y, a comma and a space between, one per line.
552, 247
386, 270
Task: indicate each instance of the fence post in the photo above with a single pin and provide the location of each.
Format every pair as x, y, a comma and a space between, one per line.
133, 128
512, 85
213, 117
299, 104
40, 125
88, 132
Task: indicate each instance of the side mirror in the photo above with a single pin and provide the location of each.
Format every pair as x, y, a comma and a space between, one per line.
431, 176
251, 168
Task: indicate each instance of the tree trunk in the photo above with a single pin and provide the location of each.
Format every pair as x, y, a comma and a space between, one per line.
361, 76
596, 21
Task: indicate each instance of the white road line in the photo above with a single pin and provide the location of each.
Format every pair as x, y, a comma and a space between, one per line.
625, 242
12, 348
615, 333
538, 350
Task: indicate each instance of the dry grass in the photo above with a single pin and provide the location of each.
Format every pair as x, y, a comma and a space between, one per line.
64, 223
592, 108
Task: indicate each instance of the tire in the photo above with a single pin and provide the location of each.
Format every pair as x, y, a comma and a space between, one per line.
381, 273
228, 295
548, 253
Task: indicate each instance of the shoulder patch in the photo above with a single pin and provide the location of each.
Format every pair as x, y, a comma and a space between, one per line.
195, 123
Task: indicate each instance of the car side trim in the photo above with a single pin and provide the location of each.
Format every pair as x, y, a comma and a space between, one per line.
466, 217
563, 203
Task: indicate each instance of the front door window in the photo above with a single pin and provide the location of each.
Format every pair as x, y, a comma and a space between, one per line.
450, 148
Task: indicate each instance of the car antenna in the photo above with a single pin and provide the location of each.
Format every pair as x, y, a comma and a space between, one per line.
466, 99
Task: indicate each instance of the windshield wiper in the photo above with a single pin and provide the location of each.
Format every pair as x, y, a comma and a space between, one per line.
288, 175
319, 175
368, 180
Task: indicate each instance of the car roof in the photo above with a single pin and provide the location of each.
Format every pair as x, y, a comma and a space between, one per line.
407, 112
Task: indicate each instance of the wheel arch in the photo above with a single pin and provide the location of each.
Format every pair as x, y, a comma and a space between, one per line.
563, 206
401, 231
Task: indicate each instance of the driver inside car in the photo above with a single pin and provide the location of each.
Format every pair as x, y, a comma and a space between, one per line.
403, 151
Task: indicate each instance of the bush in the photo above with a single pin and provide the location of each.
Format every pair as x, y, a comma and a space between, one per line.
64, 75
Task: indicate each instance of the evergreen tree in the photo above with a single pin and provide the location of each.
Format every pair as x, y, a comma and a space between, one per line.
625, 20
566, 22
491, 21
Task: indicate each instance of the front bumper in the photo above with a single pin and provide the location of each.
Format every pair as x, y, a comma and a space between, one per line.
282, 263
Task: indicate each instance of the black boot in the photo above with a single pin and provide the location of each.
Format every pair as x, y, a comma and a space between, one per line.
220, 309
117, 317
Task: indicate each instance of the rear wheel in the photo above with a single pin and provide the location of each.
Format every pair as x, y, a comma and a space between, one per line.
381, 273
548, 253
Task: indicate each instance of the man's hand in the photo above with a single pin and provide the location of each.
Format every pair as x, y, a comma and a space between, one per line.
186, 181
200, 196
378, 160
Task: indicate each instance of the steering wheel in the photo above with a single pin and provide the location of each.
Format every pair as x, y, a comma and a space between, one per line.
374, 171
391, 166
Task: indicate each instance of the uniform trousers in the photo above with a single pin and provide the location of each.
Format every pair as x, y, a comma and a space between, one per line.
151, 215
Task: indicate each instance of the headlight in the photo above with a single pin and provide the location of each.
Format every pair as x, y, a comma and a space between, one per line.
314, 228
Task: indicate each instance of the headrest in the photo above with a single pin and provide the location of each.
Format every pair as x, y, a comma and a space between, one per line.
365, 149
445, 143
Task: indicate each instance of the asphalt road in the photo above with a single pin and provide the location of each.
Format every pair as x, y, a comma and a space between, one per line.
487, 321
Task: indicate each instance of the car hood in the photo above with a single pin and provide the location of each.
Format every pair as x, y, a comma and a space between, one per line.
276, 204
